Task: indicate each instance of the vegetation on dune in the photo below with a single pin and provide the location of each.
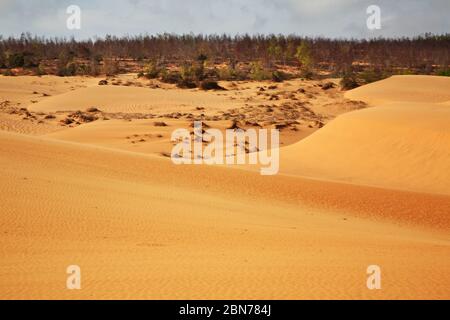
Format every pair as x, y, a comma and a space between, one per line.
349, 81
305, 59
444, 73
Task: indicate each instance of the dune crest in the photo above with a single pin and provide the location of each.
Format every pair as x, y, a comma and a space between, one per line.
427, 89
401, 146
131, 100
395, 145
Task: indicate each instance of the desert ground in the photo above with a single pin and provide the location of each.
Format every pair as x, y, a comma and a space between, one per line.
86, 180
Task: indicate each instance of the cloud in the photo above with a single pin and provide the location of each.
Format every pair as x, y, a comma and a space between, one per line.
331, 18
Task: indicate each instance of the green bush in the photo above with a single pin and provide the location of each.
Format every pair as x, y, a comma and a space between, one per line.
172, 77
68, 70
306, 73
198, 70
152, 71
444, 73
40, 71
30, 60
231, 73
279, 76
304, 56
189, 76
227, 74
349, 81
187, 72
2, 61
258, 73
369, 76
181, 79
405, 72
15, 60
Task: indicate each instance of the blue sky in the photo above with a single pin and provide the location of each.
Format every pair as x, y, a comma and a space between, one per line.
329, 18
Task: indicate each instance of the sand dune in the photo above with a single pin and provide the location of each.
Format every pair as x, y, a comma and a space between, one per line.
402, 146
25, 90
427, 89
137, 136
397, 144
141, 228
133, 100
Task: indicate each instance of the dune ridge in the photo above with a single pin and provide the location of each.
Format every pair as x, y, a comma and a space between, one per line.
132, 100
396, 144
411, 88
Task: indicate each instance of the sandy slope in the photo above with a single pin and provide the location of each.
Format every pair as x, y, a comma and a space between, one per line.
397, 144
26, 90
428, 89
141, 228
402, 146
133, 100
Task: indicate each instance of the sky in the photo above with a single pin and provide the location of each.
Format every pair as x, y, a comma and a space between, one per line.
327, 18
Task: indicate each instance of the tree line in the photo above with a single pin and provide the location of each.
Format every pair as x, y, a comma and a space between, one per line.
426, 54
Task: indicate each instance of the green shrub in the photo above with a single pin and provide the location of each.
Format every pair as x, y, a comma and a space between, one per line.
305, 59
172, 77
68, 70
83, 69
444, 73
198, 70
406, 72
369, 76
231, 73
306, 73
258, 73
15, 60
349, 81
152, 71
189, 76
227, 74
40, 71
304, 56
279, 76
30, 60
2, 61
